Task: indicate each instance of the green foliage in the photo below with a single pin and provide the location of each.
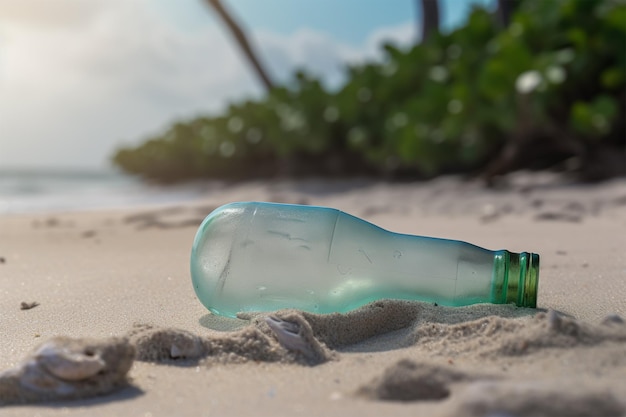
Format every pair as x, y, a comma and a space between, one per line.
449, 104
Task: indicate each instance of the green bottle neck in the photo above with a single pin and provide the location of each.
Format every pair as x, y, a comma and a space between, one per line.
516, 277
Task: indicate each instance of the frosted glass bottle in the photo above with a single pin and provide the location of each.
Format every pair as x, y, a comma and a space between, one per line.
254, 256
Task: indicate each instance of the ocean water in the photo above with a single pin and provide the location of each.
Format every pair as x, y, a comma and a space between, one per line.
28, 191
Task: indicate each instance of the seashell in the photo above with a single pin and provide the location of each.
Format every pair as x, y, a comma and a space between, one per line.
67, 368
288, 334
71, 366
294, 333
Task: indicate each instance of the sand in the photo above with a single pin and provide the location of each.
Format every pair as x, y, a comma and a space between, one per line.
75, 287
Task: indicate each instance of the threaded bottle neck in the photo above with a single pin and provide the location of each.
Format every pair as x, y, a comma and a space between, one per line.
516, 278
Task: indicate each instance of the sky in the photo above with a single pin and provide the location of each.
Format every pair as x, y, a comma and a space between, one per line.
80, 78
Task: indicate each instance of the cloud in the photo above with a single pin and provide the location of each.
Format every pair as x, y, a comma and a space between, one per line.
401, 35
52, 13
322, 55
79, 78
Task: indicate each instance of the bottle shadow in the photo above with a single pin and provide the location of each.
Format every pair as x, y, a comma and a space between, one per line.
221, 323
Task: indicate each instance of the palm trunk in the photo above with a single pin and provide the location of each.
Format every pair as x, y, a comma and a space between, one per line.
242, 40
430, 18
505, 11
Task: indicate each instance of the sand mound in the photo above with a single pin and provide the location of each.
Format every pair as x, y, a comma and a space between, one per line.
344, 329
485, 331
155, 344
282, 337
496, 336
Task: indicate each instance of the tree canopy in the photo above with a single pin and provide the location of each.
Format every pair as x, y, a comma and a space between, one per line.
548, 88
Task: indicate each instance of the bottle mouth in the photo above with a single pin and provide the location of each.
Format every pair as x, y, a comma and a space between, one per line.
522, 279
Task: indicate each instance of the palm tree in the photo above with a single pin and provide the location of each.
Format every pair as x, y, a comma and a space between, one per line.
241, 38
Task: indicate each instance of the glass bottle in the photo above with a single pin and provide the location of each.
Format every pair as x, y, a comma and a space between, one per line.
253, 256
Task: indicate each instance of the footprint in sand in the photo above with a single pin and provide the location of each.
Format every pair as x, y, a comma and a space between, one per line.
535, 398
407, 380
484, 395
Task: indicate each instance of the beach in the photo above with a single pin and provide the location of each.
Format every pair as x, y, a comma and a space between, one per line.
124, 273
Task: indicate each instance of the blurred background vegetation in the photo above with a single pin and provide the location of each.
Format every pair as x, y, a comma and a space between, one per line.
538, 85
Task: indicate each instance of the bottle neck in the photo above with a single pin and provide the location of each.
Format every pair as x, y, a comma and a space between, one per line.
516, 277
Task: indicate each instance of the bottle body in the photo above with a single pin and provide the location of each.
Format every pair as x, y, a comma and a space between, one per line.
267, 256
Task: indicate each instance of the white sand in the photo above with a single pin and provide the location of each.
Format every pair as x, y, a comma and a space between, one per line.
97, 274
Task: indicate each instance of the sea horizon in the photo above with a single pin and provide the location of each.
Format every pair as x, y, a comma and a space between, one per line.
32, 190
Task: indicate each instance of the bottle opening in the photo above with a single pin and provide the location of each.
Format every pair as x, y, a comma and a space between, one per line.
522, 279
531, 280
